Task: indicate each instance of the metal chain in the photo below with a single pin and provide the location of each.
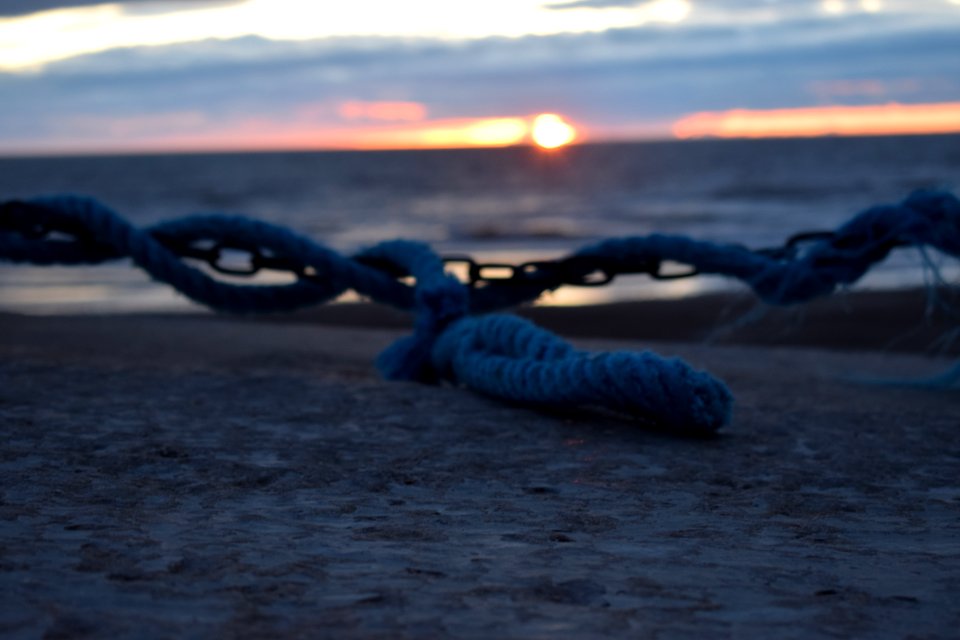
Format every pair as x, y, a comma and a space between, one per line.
580, 271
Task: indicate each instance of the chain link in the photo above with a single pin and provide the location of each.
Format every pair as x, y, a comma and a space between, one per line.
580, 271
789, 249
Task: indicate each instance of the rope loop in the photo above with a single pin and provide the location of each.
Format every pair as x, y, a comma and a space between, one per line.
509, 357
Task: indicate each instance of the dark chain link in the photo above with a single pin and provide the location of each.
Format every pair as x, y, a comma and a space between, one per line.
580, 271
790, 248
218, 257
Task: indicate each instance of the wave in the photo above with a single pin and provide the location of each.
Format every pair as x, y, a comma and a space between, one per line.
539, 228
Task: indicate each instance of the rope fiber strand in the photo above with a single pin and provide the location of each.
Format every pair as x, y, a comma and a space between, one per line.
499, 355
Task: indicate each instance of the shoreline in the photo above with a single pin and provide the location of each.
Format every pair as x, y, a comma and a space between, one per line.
904, 320
909, 320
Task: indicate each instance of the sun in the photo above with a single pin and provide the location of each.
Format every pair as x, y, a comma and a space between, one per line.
550, 131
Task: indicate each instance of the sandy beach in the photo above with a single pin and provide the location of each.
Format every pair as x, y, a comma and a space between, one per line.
171, 476
638, 172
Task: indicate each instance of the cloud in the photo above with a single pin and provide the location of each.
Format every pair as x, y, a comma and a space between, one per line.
649, 10
615, 83
597, 4
10, 8
887, 119
24, 7
382, 111
32, 42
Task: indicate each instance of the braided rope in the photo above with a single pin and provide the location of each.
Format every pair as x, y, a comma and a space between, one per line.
499, 355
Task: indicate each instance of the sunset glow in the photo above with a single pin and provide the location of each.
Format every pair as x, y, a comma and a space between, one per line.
430, 134
382, 111
888, 119
496, 132
550, 131
104, 76
394, 127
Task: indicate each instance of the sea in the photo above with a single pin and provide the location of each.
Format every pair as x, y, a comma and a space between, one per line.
497, 205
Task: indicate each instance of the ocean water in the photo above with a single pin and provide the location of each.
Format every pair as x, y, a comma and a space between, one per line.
513, 204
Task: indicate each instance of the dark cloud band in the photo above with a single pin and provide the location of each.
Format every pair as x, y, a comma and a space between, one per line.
11, 8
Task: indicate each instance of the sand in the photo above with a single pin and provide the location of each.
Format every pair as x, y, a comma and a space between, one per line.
205, 477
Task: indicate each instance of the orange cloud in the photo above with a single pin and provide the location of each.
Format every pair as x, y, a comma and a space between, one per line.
887, 119
383, 111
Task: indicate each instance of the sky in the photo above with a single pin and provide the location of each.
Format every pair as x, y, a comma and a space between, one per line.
80, 76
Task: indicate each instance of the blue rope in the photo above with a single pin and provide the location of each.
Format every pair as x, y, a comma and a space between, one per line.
511, 358
499, 355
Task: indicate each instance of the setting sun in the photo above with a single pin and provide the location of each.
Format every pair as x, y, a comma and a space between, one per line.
550, 131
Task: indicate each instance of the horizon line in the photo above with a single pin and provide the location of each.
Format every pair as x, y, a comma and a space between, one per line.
253, 150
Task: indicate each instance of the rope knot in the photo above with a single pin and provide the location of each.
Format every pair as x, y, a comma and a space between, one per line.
440, 301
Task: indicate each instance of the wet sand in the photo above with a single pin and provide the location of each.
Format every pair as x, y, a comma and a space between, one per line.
205, 476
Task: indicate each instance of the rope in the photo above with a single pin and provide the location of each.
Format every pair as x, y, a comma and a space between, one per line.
502, 356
